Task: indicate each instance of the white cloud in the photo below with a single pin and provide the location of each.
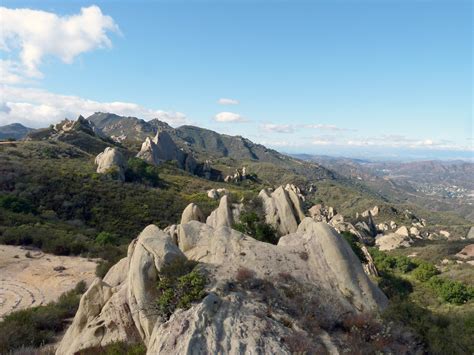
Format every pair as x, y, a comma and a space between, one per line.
224, 101
30, 35
399, 141
39, 108
327, 127
228, 117
278, 128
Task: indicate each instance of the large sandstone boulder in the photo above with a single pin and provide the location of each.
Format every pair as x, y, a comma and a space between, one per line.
393, 241
121, 308
226, 214
283, 209
192, 213
109, 159
403, 231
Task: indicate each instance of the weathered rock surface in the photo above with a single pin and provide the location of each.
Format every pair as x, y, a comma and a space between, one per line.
282, 209
226, 214
470, 234
192, 213
467, 252
392, 241
402, 231
216, 194
111, 158
162, 148
373, 212
230, 319
122, 310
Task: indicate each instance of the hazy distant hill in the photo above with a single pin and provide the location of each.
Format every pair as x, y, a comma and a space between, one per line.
14, 131
438, 185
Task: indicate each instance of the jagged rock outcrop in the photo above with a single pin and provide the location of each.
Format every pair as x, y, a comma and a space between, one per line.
239, 175
374, 211
283, 209
109, 159
226, 214
192, 213
162, 148
120, 308
322, 213
242, 274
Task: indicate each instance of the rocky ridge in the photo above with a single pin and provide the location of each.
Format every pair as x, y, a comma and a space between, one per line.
232, 315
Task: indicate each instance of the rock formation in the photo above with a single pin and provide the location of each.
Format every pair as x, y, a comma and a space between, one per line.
243, 276
239, 175
162, 148
192, 213
226, 214
282, 209
392, 241
111, 159
216, 194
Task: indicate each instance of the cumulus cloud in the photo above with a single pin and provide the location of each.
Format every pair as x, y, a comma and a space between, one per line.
224, 101
28, 36
278, 128
39, 108
228, 117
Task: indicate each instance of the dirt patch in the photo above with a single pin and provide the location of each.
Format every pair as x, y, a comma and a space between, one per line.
31, 278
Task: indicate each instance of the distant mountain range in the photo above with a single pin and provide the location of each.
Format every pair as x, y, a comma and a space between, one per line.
438, 185
14, 131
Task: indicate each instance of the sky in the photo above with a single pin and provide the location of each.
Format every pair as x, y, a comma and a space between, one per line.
361, 78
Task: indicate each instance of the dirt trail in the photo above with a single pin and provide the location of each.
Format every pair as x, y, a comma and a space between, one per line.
27, 281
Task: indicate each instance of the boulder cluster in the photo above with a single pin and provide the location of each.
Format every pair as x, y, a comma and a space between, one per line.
258, 296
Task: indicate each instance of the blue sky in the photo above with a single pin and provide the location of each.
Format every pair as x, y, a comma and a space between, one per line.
325, 77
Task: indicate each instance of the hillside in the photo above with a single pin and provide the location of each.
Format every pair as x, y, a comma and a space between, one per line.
14, 131
53, 198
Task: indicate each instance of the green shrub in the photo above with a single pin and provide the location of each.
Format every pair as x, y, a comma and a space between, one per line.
117, 348
105, 238
385, 262
139, 170
424, 271
252, 222
16, 204
180, 284
441, 334
451, 291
